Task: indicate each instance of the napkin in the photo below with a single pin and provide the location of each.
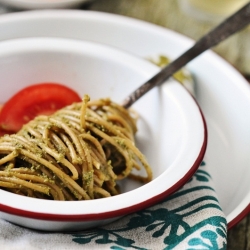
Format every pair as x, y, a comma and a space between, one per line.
189, 219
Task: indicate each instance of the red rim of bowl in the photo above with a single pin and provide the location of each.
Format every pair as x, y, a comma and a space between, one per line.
238, 218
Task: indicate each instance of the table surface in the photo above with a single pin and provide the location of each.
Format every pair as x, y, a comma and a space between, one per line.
158, 12
167, 14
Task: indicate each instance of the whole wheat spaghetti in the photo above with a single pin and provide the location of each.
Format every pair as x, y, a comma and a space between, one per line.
78, 153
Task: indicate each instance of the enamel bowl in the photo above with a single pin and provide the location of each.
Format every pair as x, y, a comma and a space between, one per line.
43, 4
171, 129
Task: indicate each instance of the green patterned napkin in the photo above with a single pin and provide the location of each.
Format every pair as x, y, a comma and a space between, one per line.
189, 219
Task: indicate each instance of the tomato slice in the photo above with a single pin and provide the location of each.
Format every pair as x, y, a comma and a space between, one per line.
5, 132
34, 100
2, 132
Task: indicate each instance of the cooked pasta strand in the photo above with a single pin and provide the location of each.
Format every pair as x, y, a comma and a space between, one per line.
78, 153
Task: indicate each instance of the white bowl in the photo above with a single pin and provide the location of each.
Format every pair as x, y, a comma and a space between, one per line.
215, 78
172, 131
43, 4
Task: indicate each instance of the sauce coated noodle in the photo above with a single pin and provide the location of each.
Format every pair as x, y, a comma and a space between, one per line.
78, 153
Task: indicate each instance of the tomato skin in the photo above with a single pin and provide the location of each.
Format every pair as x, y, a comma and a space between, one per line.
34, 100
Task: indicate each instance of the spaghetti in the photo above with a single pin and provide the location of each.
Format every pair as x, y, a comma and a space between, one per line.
78, 153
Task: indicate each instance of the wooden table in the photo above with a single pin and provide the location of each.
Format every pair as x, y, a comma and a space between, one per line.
166, 13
